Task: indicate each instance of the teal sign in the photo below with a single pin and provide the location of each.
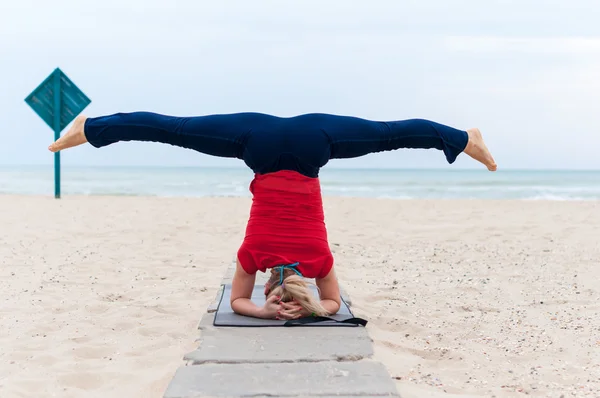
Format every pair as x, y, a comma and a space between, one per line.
57, 101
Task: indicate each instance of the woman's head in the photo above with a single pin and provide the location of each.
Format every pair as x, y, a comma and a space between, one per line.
294, 288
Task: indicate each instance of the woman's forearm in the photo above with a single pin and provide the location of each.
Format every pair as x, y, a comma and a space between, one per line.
244, 306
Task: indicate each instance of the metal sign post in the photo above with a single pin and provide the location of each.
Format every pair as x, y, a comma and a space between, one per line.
57, 101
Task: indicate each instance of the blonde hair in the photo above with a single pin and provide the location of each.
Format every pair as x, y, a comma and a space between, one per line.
296, 288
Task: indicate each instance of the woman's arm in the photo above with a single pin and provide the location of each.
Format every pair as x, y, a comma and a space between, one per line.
241, 293
329, 290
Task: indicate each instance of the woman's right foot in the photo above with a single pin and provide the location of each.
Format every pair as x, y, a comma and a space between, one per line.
477, 150
75, 136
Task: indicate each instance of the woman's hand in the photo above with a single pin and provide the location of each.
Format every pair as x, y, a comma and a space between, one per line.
292, 310
271, 308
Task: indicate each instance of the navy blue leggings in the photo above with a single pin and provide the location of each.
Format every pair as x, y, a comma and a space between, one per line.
268, 143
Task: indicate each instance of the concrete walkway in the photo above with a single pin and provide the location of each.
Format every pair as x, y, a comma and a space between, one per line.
280, 361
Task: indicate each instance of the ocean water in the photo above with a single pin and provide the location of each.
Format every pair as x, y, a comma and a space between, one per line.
377, 183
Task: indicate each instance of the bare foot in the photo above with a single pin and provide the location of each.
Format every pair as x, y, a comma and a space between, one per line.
73, 137
477, 150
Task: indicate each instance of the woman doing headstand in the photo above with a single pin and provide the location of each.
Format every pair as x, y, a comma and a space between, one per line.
286, 230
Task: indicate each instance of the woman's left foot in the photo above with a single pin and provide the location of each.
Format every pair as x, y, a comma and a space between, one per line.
477, 149
75, 136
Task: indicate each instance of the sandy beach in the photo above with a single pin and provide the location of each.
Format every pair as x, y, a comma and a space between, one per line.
101, 296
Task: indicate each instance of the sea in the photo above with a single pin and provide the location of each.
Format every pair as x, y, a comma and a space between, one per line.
398, 184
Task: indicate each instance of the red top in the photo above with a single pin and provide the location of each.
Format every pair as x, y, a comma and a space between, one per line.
286, 225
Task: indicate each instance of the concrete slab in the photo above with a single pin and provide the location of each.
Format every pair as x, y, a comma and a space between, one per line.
215, 303
364, 378
206, 322
260, 345
228, 274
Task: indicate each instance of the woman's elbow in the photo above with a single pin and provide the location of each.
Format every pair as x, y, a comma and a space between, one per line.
235, 305
332, 306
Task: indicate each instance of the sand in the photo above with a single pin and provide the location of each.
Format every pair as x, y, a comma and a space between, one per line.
101, 296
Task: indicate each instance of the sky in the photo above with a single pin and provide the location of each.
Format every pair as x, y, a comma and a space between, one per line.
527, 73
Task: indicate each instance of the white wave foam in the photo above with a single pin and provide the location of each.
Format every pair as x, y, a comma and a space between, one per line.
548, 196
